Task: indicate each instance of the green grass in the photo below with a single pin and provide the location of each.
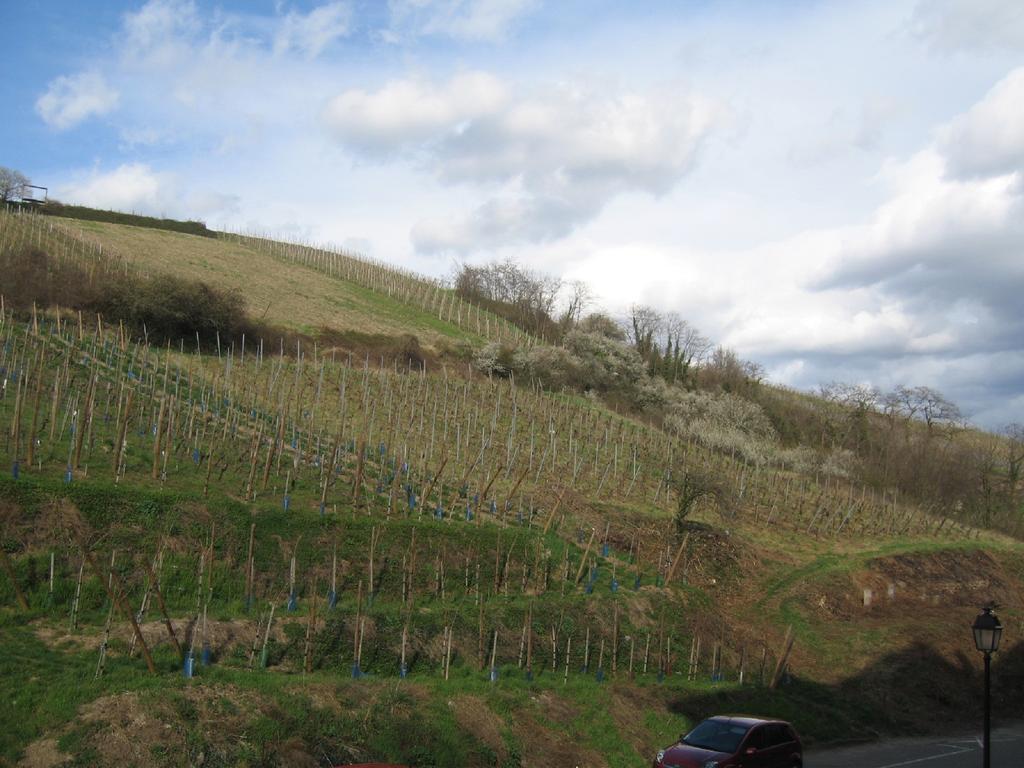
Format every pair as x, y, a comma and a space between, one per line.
281, 292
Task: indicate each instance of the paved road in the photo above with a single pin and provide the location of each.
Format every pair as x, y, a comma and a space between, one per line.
962, 751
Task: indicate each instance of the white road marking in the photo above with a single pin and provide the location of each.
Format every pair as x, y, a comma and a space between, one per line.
959, 751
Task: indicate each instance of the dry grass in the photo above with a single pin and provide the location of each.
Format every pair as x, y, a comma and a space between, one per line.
282, 293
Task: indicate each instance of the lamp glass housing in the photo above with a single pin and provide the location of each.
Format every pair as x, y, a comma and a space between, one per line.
988, 631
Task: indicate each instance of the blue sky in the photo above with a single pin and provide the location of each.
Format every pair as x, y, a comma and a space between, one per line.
834, 189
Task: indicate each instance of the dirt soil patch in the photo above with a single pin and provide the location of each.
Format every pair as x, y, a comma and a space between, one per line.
629, 704
128, 732
224, 636
542, 747
475, 717
43, 753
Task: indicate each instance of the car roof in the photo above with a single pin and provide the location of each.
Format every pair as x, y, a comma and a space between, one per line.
746, 720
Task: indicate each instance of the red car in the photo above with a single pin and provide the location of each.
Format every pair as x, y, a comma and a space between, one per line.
735, 742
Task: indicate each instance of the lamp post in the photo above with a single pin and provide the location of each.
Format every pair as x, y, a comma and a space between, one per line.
987, 632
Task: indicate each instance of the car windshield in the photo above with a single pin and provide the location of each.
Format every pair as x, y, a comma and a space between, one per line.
717, 735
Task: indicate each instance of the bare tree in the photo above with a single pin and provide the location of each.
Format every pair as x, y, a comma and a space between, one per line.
526, 297
927, 404
13, 184
695, 485
1014, 456
603, 325
685, 347
860, 397
725, 369
644, 326
580, 297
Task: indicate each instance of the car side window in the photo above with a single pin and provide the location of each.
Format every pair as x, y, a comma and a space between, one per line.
757, 739
778, 734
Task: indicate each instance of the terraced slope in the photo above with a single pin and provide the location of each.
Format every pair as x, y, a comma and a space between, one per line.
471, 529
435, 570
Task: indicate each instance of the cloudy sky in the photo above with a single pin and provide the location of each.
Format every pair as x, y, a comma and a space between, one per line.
835, 190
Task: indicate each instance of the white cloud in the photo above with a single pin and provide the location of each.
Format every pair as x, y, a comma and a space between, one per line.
952, 26
557, 153
130, 187
404, 114
155, 34
989, 138
311, 33
70, 99
137, 188
925, 289
157, 20
474, 20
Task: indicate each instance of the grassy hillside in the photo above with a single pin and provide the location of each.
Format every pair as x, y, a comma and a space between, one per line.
292, 287
463, 523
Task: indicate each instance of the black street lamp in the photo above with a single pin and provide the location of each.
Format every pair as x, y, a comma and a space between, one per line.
987, 632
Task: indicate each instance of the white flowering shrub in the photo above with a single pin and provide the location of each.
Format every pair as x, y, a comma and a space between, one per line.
841, 462
606, 365
801, 458
495, 359
554, 367
722, 421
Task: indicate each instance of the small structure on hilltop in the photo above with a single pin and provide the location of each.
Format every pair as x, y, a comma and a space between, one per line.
34, 195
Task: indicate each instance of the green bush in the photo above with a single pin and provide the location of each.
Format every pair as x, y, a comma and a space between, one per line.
54, 208
171, 308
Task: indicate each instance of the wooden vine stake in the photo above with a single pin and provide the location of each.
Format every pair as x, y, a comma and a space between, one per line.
249, 571
780, 666
554, 509
586, 552
311, 630
163, 610
357, 641
676, 560
494, 657
9, 570
118, 598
